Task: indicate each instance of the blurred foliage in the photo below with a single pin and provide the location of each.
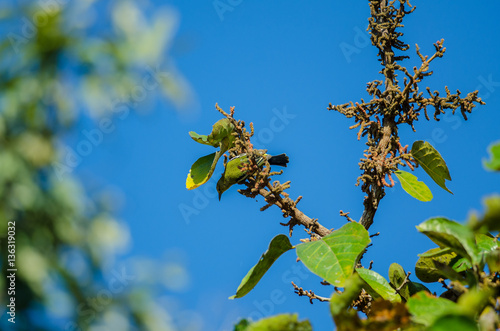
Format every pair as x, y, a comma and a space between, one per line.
61, 61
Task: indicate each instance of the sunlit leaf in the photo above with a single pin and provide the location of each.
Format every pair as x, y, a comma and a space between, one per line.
451, 234
334, 256
202, 170
494, 162
279, 245
432, 162
378, 286
413, 187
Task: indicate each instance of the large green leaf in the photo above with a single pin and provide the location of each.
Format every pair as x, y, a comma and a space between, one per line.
221, 130
334, 256
432, 162
425, 308
202, 170
378, 286
283, 322
451, 234
494, 163
413, 187
279, 245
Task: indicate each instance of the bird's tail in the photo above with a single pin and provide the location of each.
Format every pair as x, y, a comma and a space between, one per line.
280, 160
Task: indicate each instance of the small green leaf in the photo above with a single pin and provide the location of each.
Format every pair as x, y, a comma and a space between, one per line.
200, 138
451, 234
202, 170
378, 286
221, 131
397, 276
334, 256
494, 163
425, 308
282, 322
279, 245
432, 162
413, 187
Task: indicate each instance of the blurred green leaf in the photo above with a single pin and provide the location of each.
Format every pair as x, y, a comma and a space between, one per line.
378, 285
494, 162
334, 256
454, 322
432, 162
426, 309
279, 245
413, 187
490, 221
451, 234
340, 302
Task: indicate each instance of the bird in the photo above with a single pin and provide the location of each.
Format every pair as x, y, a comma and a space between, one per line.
236, 172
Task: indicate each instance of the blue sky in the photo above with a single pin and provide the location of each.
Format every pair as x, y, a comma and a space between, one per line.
280, 63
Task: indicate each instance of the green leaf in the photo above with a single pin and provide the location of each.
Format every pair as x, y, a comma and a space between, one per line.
202, 170
454, 322
451, 234
200, 138
334, 256
279, 245
221, 130
432, 265
425, 308
413, 187
283, 322
378, 286
397, 276
432, 162
494, 163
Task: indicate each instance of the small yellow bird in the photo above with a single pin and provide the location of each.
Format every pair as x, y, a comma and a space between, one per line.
236, 172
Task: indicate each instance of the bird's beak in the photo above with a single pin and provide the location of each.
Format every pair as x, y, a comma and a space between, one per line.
220, 194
